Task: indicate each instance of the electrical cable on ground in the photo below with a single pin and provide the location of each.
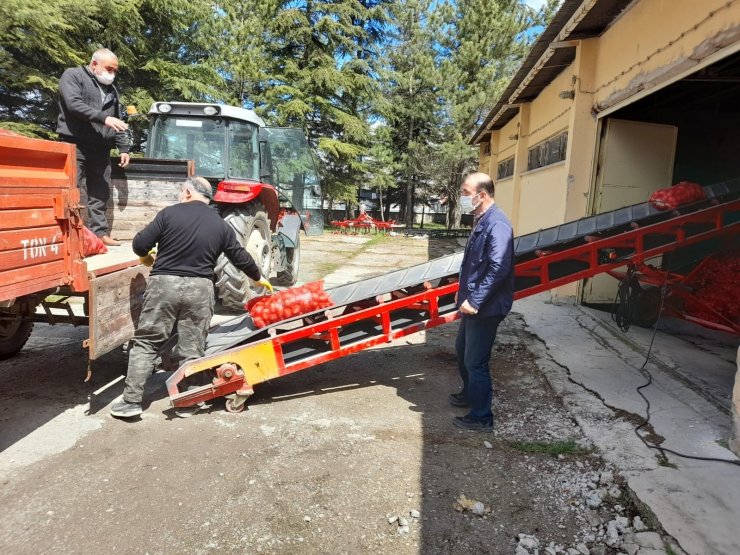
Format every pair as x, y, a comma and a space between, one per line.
624, 304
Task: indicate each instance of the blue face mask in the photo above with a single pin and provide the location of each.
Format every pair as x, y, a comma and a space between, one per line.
466, 204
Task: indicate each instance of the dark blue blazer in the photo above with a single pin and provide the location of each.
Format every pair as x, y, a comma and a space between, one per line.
487, 271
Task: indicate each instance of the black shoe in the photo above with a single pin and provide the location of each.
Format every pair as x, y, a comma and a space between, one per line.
458, 400
122, 409
467, 423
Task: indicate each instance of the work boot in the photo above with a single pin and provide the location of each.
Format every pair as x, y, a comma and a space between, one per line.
123, 409
458, 399
467, 423
108, 241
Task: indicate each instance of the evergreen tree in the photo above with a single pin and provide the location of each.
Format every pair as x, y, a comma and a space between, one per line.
412, 108
159, 44
484, 43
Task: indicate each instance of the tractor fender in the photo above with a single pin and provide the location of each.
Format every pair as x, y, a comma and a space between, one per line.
242, 192
289, 227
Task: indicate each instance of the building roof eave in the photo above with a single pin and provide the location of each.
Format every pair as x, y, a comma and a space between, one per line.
553, 51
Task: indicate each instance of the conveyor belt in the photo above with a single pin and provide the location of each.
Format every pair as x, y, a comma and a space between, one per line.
241, 330
386, 308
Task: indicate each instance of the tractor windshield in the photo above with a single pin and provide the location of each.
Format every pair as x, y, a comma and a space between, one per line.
294, 174
221, 148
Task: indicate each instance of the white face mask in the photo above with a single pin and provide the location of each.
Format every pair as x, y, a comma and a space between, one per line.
106, 78
466, 204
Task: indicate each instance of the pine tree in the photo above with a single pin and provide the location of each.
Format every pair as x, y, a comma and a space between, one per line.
484, 43
412, 107
160, 45
38, 40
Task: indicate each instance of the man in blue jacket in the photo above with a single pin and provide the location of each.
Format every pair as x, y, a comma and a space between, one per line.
484, 299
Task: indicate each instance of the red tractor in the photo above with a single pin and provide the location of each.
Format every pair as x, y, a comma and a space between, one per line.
264, 178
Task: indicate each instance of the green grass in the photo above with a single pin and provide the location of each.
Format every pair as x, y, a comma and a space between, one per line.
723, 443
430, 225
555, 448
669, 550
326, 268
376, 240
663, 461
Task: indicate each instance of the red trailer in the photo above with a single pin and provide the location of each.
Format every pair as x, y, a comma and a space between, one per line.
43, 274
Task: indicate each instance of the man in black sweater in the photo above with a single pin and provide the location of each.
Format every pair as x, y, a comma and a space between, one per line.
90, 117
189, 236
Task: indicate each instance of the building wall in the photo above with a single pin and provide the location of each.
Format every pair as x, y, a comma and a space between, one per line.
646, 47
504, 142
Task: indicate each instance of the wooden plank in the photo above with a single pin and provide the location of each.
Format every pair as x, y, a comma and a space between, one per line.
115, 305
16, 279
20, 219
114, 257
15, 200
20, 238
31, 255
32, 162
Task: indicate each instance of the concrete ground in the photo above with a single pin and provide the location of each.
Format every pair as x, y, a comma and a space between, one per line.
595, 368
359, 456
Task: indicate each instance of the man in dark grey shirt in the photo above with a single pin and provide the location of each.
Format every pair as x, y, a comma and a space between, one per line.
189, 237
90, 117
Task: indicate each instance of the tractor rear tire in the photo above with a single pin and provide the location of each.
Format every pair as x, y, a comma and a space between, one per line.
289, 277
252, 228
13, 336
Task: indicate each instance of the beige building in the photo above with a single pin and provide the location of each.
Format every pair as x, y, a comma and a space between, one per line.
616, 99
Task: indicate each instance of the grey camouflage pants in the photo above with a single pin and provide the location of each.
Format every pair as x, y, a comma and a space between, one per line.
168, 301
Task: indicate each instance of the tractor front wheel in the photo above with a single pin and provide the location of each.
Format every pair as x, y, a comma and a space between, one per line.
289, 276
252, 228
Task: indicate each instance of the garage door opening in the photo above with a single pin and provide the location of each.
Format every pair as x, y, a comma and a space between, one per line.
687, 131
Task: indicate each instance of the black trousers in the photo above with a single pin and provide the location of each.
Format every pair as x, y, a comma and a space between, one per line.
93, 180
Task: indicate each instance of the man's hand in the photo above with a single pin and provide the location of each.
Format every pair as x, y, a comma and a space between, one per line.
149, 259
115, 123
467, 308
125, 159
264, 282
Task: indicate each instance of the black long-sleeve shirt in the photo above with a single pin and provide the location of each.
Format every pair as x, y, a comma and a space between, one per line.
191, 237
82, 111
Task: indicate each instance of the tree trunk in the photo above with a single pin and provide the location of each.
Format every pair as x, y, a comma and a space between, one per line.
410, 186
380, 202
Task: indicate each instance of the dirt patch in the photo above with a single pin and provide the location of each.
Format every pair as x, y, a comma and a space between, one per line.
355, 456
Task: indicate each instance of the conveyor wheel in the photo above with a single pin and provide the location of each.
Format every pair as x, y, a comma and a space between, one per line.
236, 403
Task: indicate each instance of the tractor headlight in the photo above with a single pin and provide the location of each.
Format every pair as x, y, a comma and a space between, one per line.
164, 108
210, 110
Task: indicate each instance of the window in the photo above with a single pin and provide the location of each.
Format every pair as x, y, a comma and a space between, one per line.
190, 138
487, 149
244, 160
548, 152
505, 168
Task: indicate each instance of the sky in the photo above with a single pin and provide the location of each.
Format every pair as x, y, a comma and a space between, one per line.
536, 4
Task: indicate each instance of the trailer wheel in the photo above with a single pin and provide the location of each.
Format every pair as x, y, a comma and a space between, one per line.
13, 336
252, 230
293, 264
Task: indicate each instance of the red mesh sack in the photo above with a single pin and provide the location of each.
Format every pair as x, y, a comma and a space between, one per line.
288, 304
91, 244
715, 286
681, 193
